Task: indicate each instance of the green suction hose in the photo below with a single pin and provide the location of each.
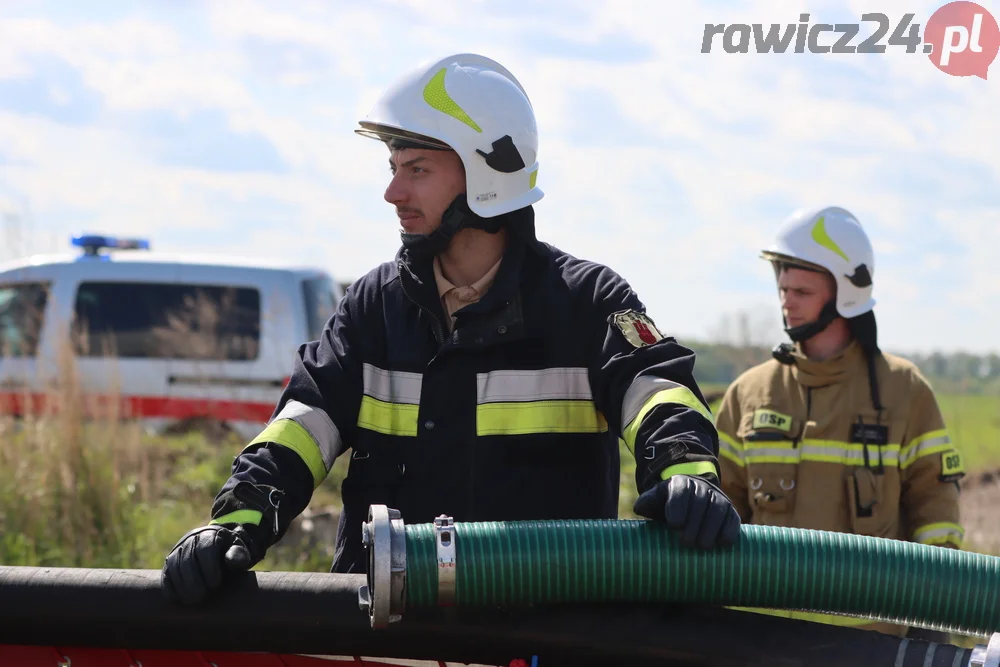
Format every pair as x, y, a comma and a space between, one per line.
512, 564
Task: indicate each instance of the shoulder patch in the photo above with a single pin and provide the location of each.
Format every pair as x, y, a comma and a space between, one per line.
637, 328
952, 466
764, 418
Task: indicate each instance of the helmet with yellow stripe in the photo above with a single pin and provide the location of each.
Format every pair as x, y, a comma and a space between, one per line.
472, 105
829, 239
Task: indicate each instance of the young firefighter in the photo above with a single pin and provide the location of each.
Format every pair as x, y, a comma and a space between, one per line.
834, 434
482, 373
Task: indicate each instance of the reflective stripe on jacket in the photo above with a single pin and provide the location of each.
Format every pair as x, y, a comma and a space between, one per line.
802, 446
517, 414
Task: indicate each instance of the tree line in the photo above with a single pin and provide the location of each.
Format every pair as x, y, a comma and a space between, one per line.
956, 372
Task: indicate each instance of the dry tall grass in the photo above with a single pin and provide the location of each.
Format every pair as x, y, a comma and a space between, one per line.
84, 486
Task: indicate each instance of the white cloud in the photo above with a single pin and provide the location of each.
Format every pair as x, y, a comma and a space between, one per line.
720, 146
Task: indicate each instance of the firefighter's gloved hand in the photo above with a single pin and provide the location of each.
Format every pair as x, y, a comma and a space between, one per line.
201, 560
695, 506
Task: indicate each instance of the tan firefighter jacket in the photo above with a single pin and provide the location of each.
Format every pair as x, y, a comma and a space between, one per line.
801, 445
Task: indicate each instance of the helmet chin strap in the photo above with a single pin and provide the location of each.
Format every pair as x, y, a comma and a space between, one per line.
782, 352
804, 332
457, 216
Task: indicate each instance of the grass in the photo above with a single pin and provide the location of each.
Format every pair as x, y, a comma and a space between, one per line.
974, 425
102, 493
109, 495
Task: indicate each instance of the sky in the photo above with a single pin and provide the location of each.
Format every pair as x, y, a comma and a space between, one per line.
228, 127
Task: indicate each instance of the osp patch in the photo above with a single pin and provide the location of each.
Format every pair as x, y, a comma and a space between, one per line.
952, 466
764, 418
637, 328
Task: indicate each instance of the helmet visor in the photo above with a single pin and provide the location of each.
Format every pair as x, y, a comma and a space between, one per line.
397, 137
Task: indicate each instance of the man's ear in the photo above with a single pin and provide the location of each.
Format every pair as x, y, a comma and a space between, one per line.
831, 283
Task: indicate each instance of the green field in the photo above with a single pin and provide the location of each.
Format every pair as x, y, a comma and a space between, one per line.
106, 495
974, 424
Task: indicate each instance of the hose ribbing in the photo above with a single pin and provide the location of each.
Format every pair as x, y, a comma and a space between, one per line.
538, 562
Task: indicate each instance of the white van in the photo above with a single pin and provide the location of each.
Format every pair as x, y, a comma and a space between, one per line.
175, 338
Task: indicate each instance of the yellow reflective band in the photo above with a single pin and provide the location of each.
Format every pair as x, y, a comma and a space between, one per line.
820, 451
772, 452
319, 425
928, 444
813, 616
695, 468
239, 516
290, 434
539, 417
677, 395
731, 449
849, 453
388, 418
438, 98
943, 532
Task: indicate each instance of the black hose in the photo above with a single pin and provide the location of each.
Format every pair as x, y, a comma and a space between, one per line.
318, 613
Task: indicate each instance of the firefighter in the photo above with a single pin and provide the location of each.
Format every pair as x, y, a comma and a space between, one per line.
482, 373
832, 433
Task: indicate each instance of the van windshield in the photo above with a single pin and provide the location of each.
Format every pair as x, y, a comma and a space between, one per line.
321, 302
22, 312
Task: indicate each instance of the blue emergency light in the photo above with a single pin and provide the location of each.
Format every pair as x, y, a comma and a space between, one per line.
92, 244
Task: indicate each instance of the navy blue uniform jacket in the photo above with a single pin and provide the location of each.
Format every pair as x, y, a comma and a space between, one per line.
515, 415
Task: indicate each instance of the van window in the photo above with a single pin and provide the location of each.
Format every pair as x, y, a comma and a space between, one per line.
22, 312
167, 321
321, 302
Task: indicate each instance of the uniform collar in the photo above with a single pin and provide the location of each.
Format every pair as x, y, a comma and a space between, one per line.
477, 288
838, 368
501, 305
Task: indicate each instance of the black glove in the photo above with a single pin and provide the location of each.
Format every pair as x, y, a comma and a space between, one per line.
199, 562
695, 505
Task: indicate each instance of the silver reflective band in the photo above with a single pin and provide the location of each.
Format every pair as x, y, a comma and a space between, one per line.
911, 453
725, 444
319, 425
642, 389
855, 454
444, 534
934, 533
547, 384
392, 386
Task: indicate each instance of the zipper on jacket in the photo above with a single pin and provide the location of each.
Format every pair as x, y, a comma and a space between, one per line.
809, 403
438, 327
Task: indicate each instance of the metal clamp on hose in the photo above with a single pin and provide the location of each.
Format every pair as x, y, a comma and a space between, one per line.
444, 534
384, 537
987, 656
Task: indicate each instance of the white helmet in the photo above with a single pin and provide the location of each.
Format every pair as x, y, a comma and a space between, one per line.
474, 106
830, 238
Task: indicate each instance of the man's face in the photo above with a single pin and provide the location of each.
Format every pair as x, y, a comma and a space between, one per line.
424, 182
803, 294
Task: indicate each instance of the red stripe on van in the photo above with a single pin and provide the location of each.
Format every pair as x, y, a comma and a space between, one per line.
19, 403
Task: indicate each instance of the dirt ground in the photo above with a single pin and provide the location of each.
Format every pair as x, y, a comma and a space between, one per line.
980, 503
